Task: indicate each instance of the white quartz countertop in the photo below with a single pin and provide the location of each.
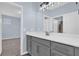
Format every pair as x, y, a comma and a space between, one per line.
69, 39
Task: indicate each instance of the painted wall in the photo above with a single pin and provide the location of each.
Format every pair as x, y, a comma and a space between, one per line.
10, 27
32, 19
39, 17
0, 34
70, 7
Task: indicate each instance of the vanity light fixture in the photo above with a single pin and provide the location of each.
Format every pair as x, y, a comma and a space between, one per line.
52, 5
45, 5
76, 3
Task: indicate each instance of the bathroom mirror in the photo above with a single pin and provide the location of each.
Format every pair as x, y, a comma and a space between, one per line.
53, 24
66, 23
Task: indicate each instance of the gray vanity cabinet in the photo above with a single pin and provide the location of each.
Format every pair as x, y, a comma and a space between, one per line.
41, 47
29, 44
61, 49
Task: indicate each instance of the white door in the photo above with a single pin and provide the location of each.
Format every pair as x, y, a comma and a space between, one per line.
0, 34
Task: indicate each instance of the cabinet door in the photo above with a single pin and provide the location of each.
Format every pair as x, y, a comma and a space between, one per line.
39, 49
76, 51
64, 49
43, 50
29, 44
34, 48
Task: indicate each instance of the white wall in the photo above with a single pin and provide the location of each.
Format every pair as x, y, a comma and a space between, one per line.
0, 34
71, 23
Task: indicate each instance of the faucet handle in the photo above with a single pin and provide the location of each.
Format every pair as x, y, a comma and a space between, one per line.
47, 33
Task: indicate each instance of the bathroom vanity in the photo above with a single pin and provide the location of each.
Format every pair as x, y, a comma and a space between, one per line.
57, 44
63, 39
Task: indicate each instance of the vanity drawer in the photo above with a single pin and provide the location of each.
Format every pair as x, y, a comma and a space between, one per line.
42, 41
64, 49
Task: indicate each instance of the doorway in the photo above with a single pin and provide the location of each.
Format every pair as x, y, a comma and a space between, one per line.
10, 35
11, 29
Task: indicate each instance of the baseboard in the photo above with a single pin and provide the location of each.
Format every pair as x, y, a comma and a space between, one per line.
24, 53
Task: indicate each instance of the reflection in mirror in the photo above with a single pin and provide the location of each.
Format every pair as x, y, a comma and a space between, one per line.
58, 24
48, 24
53, 25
